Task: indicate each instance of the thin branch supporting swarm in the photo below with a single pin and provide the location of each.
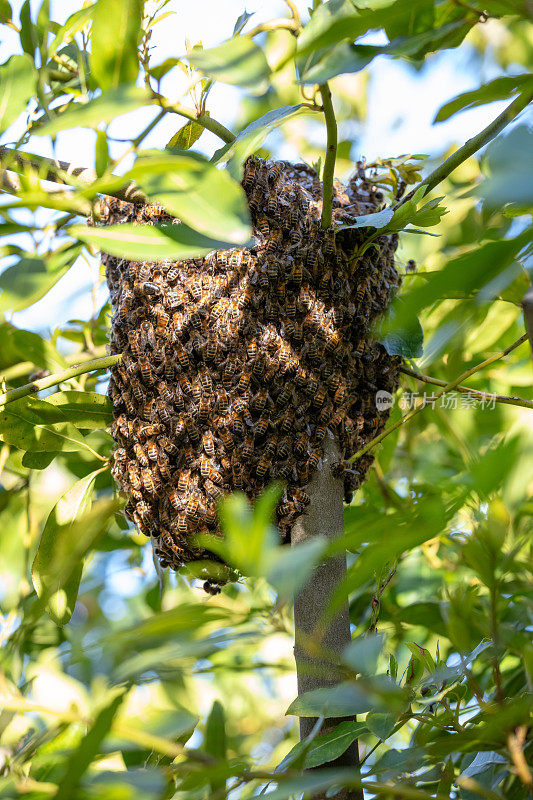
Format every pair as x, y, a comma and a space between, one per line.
471, 146
325, 517
331, 154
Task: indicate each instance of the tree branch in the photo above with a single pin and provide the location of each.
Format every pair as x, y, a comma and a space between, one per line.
447, 388
527, 308
497, 398
471, 146
26, 367
331, 154
58, 377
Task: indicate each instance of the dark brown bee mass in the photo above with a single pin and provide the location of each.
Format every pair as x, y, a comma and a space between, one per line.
236, 366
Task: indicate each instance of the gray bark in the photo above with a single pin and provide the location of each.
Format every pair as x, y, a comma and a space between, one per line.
324, 517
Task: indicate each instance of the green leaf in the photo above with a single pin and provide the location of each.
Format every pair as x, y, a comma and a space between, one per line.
24, 283
252, 137
55, 550
37, 459
18, 345
190, 187
499, 89
238, 60
102, 109
324, 748
6, 15
81, 759
148, 242
115, 35
33, 424
342, 700
362, 654
186, 136
85, 410
17, 87
405, 340
27, 33
377, 220
215, 740
68, 30
380, 724
508, 166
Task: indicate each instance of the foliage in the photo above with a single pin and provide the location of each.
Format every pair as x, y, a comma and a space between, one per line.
117, 683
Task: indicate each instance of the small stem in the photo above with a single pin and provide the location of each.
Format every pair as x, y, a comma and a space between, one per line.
295, 13
331, 153
58, 377
206, 122
471, 146
274, 25
25, 367
448, 387
497, 398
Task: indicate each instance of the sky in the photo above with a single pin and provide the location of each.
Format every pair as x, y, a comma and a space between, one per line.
401, 106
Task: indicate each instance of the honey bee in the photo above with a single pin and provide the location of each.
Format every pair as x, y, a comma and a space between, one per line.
140, 455
168, 445
205, 382
134, 476
212, 489
298, 333
182, 356
312, 260
185, 484
164, 392
319, 397
146, 369
272, 206
147, 431
175, 500
249, 177
192, 430
222, 400
203, 410
237, 426
196, 320
247, 449
259, 401
208, 444
287, 509
244, 382
210, 515
148, 481
236, 474
162, 411
173, 274
325, 414
133, 341
258, 369
320, 432
147, 334
184, 382
263, 465
315, 459
193, 506
287, 422
263, 279
211, 349
332, 342
196, 392
261, 427
272, 271
283, 397
168, 369
130, 408
182, 524
227, 439
274, 173
169, 543
302, 471
146, 289
151, 450
163, 466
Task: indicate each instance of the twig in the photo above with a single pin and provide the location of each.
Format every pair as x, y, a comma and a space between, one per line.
448, 387
25, 367
515, 745
274, 25
56, 172
527, 308
58, 377
331, 154
471, 146
205, 121
498, 398
295, 13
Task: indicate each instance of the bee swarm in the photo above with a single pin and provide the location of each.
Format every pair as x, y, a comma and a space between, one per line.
236, 366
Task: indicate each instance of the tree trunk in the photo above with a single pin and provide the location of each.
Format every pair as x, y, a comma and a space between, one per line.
324, 517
